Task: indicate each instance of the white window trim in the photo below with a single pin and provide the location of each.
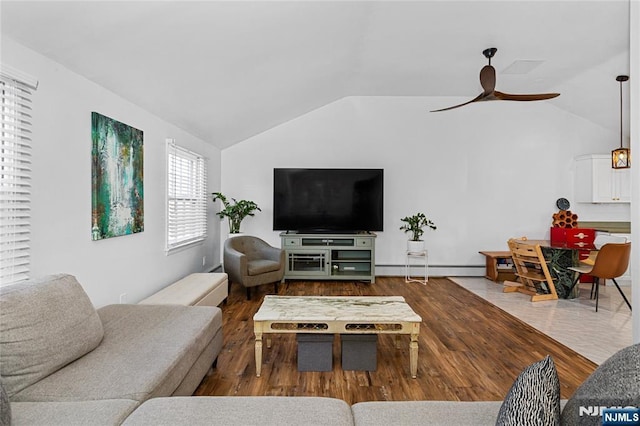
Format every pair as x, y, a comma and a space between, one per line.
15, 175
194, 231
16, 75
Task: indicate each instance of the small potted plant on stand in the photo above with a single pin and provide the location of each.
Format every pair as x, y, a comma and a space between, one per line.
415, 226
235, 211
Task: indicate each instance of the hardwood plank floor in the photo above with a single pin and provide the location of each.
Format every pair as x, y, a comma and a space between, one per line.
469, 349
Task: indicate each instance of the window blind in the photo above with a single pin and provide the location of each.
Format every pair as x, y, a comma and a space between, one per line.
15, 179
186, 197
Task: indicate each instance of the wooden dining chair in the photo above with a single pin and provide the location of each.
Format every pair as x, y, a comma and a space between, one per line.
610, 263
532, 271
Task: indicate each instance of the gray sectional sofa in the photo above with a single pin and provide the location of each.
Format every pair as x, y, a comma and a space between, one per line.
64, 363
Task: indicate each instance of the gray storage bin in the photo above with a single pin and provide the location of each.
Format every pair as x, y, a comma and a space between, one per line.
359, 352
315, 352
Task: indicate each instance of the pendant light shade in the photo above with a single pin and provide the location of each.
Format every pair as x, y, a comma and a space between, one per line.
621, 157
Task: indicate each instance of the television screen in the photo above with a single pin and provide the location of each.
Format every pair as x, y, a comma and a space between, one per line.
327, 200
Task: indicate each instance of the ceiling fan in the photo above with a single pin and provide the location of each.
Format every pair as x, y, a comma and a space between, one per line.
488, 82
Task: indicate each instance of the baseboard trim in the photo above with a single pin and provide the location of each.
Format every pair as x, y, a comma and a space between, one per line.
215, 269
434, 270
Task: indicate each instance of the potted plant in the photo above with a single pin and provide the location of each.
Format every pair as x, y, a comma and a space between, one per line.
415, 226
235, 211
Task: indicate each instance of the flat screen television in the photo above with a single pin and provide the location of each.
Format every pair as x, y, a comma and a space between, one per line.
328, 200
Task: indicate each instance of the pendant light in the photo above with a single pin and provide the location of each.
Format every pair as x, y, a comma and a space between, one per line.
621, 157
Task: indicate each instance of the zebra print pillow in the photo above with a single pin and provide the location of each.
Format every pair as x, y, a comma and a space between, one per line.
534, 398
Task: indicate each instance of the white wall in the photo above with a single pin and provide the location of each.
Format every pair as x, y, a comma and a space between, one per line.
634, 82
61, 192
482, 173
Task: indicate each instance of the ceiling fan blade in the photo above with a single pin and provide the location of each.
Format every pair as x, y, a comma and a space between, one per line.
488, 79
476, 99
528, 97
488, 83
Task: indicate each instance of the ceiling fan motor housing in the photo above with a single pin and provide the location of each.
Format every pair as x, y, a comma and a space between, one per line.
489, 53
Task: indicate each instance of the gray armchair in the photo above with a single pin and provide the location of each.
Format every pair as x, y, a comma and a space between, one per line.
251, 262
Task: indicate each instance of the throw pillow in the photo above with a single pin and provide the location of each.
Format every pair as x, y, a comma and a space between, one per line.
44, 325
534, 398
615, 383
5, 407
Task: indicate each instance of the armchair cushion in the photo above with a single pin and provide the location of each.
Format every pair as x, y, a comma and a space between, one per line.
261, 266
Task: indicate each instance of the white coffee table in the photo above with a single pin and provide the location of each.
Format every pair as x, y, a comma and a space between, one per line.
337, 315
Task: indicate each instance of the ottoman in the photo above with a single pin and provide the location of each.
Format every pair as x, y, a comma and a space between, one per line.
199, 289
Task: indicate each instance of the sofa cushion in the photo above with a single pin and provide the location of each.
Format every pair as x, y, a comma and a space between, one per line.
44, 325
242, 410
387, 413
146, 352
616, 382
5, 407
534, 398
77, 413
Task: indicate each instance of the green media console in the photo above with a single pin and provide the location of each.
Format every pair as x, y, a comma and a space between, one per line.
329, 256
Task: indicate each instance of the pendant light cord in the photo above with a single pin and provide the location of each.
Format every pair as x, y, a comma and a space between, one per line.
621, 79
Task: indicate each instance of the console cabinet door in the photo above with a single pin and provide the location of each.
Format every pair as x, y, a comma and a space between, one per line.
307, 263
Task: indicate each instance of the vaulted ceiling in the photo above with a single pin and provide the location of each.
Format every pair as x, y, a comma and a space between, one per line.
227, 70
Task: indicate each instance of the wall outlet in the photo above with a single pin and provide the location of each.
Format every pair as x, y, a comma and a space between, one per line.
204, 260
123, 298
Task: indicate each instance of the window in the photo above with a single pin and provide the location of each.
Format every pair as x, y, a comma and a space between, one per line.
186, 197
15, 176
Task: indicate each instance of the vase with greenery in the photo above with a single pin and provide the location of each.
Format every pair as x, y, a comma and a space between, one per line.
235, 211
415, 225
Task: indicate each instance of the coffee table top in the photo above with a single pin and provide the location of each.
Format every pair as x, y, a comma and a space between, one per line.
336, 308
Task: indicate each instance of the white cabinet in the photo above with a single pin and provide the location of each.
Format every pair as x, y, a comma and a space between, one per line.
596, 182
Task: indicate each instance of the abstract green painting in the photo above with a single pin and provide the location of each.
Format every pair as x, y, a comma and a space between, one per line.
117, 191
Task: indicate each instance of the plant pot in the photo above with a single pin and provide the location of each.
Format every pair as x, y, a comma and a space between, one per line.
415, 246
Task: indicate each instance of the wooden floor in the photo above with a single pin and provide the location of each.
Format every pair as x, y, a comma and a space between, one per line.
469, 349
